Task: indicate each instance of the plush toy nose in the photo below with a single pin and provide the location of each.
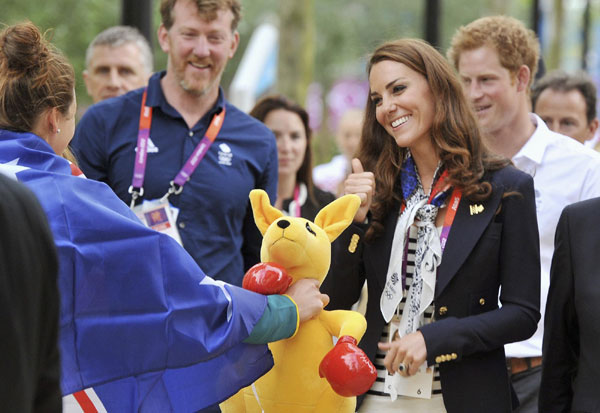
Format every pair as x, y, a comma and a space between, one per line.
283, 224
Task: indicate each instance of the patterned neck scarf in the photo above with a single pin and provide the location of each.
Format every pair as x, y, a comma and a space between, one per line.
420, 210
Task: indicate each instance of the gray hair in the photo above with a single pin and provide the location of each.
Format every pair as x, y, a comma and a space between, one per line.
117, 36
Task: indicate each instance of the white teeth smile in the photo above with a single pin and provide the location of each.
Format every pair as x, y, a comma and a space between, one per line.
400, 121
199, 66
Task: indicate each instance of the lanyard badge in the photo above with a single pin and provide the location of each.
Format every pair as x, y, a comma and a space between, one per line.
159, 215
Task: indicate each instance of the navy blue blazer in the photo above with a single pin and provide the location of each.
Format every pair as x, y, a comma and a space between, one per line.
489, 254
571, 367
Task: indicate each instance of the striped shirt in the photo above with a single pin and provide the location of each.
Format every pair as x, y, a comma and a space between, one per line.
377, 390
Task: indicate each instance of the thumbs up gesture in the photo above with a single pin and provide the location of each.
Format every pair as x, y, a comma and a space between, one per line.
362, 184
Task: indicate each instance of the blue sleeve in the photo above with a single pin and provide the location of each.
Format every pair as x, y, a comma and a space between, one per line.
268, 182
124, 285
89, 143
279, 321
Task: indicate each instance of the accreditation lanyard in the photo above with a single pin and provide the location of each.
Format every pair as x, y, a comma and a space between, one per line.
448, 219
295, 204
176, 185
297, 199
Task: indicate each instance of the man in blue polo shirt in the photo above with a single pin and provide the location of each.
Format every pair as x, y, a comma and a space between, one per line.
214, 220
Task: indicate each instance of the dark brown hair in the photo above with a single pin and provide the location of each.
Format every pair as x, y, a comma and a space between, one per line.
270, 103
560, 81
34, 76
454, 132
206, 8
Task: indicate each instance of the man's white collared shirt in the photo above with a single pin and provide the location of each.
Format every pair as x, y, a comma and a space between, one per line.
564, 171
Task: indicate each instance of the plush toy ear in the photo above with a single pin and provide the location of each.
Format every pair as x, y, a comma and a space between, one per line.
264, 213
335, 217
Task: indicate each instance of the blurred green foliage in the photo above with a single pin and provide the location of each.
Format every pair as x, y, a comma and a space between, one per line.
70, 24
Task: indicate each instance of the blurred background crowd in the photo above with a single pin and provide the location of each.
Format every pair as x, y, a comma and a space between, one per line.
324, 66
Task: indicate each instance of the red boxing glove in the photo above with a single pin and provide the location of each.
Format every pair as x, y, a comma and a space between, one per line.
347, 368
267, 278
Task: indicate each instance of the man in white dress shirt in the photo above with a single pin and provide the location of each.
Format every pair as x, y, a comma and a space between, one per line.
496, 59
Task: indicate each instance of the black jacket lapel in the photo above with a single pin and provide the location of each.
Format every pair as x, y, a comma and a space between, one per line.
464, 234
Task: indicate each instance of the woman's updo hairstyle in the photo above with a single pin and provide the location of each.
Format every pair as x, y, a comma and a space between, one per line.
34, 76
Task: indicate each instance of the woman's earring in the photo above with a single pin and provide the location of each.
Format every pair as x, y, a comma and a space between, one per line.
57, 130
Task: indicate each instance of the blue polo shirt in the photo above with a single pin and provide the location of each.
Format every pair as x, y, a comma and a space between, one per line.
215, 220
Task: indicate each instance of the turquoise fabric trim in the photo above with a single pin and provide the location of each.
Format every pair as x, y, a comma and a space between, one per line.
277, 322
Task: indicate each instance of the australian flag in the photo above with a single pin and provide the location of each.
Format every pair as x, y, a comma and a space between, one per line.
142, 328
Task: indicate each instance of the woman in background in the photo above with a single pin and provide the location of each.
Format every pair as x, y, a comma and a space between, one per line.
296, 193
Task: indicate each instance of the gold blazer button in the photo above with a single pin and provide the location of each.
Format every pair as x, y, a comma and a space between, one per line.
443, 310
353, 243
482, 301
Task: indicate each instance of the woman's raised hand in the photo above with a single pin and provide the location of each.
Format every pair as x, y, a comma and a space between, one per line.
362, 184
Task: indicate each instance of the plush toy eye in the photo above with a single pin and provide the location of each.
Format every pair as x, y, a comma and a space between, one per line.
309, 229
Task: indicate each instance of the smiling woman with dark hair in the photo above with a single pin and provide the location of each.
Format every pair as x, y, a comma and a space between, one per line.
296, 193
444, 229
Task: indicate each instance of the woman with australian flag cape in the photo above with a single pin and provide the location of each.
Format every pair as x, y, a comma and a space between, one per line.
142, 328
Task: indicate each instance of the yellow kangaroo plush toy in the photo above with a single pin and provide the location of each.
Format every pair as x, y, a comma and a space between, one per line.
295, 384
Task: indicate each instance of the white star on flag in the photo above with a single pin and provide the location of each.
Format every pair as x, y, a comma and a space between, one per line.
11, 169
